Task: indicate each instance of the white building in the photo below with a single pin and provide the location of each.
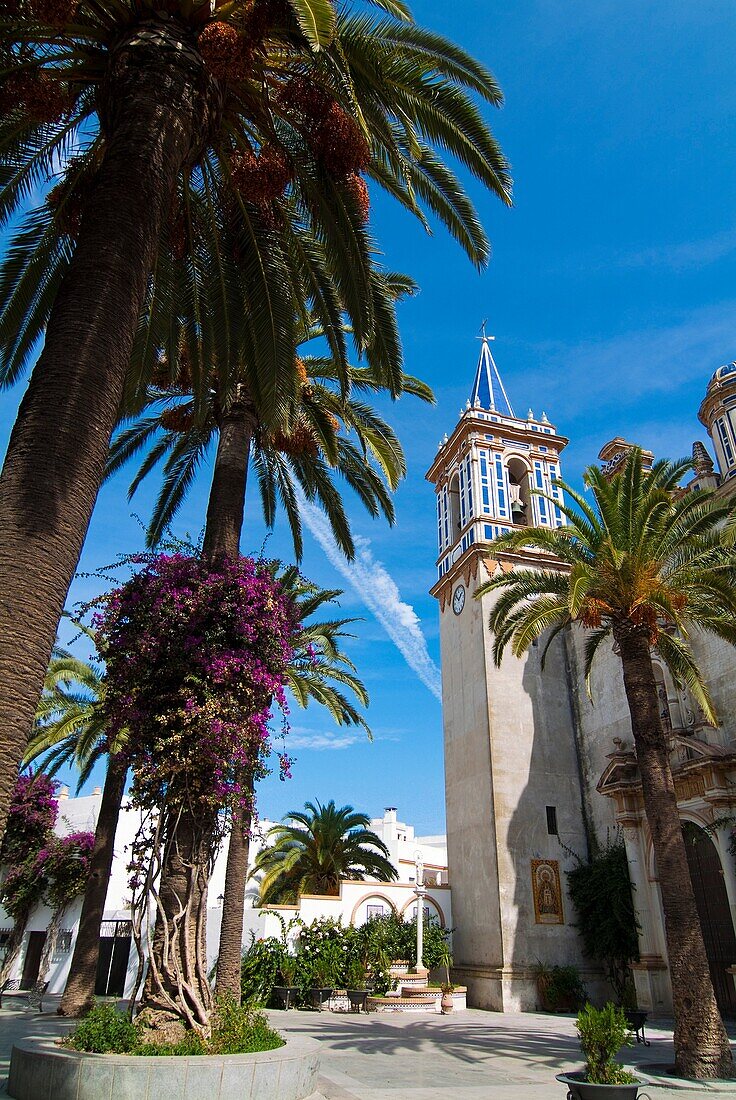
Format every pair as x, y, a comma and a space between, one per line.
356, 902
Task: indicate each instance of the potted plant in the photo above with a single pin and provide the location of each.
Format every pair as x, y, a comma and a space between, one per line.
447, 1003
355, 979
603, 1032
560, 988
287, 992
322, 989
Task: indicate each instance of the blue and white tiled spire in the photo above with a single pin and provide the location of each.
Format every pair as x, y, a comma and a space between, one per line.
488, 390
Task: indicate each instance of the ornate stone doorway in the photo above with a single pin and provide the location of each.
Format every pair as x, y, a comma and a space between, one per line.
715, 915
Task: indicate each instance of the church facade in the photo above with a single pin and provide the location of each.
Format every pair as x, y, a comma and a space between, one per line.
534, 770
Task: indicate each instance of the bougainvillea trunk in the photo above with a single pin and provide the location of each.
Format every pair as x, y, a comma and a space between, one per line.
79, 992
49, 944
177, 990
222, 538
233, 905
13, 945
154, 108
702, 1048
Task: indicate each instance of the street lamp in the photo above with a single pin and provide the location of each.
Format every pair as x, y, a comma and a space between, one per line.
419, 890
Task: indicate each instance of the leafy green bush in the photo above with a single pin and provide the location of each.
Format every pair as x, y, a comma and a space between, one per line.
560, 988
602, 1034
321, 954
235, 1030
259, 969
104, 1030
600, 891
238, 1029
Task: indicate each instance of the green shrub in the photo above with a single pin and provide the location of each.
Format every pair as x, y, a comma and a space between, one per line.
259, 969
600, 891
235, 1030
239, 1030
603, 1032
560, 987
104, 1030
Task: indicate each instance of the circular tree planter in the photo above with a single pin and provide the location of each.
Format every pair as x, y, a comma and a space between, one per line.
580, 1089
41, 1070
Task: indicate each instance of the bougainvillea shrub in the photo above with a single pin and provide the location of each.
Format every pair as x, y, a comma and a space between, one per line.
64, 863
195, 654
33, 813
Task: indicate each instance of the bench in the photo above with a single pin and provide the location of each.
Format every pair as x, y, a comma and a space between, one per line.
34, 996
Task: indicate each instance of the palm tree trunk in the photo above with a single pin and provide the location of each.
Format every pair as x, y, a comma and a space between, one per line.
79, 992
227, 492
222, 538
702, 1048
233, 904
153, 111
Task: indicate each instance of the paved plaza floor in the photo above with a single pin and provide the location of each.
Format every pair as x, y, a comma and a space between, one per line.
470, 1056
473, 1055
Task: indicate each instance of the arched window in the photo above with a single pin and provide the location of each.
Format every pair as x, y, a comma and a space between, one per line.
454, 495
520, 499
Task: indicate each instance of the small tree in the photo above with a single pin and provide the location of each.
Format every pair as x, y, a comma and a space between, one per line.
195, 654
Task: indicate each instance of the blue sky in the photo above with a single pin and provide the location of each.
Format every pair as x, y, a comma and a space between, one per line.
610, 293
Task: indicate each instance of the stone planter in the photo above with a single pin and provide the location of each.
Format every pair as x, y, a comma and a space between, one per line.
41, 1070
447, 1003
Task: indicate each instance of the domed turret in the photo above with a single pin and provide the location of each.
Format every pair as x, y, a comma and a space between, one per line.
718, 414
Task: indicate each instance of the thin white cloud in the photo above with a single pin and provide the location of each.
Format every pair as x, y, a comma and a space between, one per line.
625, 369
379, 592
321, 742
682, 256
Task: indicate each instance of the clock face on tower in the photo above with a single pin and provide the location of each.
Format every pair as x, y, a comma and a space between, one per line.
458, 599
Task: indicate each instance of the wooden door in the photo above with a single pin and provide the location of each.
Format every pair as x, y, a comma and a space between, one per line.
34, 950
714, 912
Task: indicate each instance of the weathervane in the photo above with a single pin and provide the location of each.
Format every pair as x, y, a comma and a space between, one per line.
483, 332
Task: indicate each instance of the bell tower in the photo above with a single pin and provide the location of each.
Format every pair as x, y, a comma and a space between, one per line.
512, 778
484, 473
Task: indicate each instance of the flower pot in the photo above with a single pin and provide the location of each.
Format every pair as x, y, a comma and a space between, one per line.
319, 995
447, 1004
358, 999
580, 1089
286, 994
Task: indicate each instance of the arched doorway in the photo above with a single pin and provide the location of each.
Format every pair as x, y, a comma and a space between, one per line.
714, 912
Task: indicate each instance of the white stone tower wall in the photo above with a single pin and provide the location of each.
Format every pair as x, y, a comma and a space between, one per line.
510, 752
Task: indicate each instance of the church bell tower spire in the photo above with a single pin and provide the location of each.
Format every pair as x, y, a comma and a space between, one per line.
486, 473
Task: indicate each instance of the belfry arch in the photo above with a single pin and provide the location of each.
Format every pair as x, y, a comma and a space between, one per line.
519, 491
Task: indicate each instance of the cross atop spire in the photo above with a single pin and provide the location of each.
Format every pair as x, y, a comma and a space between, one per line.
488, 390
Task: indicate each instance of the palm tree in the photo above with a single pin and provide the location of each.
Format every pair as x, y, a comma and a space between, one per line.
71, 729
314, 849
645, 566
238, 104
324, 432
318, 671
